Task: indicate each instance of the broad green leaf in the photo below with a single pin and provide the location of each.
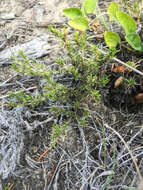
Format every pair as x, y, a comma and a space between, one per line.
112, 9
79, 23
89, 6
141, 47
134, 41
126, 22
72, 12
111, 39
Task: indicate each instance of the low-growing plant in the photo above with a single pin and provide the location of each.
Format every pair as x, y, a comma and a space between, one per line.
57, 132
134, 8
79, 17
129, 83
81, 65
79, 20
129, 26
80, 74
6, 188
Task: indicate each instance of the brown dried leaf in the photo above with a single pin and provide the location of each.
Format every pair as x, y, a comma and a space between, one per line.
120, 69
118, 82
97, 27
139, 98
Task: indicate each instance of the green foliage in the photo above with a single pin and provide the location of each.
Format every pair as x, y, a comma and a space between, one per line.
88, 6
112, 9
126, 22
86, 61
31, 67
72, 12
21, 98
104, 80
111, 39
134, 41
134, 8
79, 23
129, 83
131, 64
95, 94
58, 131
6, 188
51, 89
57, 33
83, 66
79, 17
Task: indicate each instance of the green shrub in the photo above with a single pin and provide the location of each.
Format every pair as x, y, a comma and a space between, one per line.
82, 62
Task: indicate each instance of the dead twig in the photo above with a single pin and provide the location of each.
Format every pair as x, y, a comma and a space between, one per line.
122, 63
54, 172
42, 155
130, 152
11, 186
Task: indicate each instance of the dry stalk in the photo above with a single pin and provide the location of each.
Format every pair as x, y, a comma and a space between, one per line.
140, 183
122, 63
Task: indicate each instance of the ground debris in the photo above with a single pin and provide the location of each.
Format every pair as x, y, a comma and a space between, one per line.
35, 48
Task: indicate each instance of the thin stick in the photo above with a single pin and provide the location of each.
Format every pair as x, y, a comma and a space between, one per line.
42, 155
11, 186
55, 171
92, 174
121, 62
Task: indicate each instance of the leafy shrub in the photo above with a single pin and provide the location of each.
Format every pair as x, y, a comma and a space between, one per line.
82, 65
